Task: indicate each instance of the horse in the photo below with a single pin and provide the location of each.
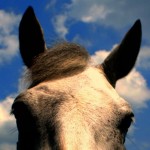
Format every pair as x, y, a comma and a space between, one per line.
70, 103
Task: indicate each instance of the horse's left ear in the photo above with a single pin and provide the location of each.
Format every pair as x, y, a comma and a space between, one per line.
122, 59
31, 40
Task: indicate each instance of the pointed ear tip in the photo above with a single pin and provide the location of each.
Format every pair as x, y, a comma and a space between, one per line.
29, 11
138, 23
28, 14
30, 8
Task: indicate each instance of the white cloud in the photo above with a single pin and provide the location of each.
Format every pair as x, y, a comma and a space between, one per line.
8, 130
99, 56
108, 13
5, 107
60, 26
133, 87
8, 21
144, 58
112, 13
8, 37
10, 47
95, 13
105, 12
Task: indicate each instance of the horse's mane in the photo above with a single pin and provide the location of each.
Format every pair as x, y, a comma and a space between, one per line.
62, 60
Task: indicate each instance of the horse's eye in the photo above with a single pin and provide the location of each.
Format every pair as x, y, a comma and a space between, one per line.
29, 135
126, 122
23, 115
19, 109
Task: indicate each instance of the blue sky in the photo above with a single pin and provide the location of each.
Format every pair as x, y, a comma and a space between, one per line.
98, 25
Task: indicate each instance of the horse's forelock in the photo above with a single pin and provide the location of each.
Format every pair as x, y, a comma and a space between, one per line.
62, 60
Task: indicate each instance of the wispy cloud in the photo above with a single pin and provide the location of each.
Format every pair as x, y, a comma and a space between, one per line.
144, 58
102, 12
78, 39
60, 27
51, 4
8, 37
95, 12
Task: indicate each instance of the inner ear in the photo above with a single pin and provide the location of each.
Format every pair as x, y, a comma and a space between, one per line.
31, 40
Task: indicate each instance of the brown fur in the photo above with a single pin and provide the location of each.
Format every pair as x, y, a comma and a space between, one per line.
62, 60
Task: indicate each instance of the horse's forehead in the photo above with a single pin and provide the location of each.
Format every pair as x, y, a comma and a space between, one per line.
91, 81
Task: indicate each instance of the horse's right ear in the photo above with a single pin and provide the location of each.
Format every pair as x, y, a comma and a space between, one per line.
31, 40
122, 59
